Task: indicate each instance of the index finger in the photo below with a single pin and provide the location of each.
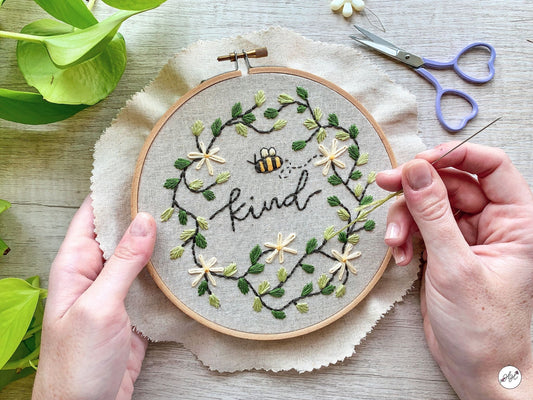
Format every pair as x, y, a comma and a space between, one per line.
500, 180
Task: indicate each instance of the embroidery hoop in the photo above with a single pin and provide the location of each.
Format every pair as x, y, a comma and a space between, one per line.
136, 187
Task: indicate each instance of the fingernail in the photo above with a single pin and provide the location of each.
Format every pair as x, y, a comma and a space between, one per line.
139, 226
393, 231
398, 254
419, 175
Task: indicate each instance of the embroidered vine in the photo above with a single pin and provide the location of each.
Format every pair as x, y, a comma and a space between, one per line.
343, 154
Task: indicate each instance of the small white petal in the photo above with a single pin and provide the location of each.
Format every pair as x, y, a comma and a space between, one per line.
347, 10
270, 258
198, 279
322, 161
339, 163
358, 5
211, 279
354, 255
336, 4
335, 268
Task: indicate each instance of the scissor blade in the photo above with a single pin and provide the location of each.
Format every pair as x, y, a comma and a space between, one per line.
387, 48
376, 39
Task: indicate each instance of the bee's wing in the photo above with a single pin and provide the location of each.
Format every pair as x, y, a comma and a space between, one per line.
264, 152
272, 151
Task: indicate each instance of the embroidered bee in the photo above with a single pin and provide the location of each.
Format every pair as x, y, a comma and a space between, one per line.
268, 162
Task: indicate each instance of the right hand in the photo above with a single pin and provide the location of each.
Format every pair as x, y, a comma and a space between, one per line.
477, 290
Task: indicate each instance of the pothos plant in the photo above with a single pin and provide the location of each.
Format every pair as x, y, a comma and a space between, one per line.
73, 61
21, 319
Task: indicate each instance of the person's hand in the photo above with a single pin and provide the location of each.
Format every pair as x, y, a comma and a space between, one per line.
88, 348
475, 215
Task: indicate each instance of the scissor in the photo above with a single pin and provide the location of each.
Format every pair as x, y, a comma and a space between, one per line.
417, 62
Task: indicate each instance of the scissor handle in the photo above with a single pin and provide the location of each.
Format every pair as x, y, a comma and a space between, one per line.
454, 63
450, 92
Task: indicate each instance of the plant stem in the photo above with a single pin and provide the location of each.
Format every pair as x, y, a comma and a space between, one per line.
21, 36
22, 363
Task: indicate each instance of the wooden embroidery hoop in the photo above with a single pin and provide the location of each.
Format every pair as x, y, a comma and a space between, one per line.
135, 196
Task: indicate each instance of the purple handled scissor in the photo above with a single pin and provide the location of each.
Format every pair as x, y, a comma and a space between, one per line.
412, 60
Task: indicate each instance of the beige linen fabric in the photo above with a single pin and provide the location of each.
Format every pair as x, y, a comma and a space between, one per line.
115, 156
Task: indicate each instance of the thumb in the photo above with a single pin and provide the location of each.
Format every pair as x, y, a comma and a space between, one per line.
130, 256
427, 200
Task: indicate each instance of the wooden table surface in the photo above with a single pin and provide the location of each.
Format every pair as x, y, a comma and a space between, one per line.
45, 170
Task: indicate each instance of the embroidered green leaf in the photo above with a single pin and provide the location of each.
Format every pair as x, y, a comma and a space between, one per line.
322, 281
302, 307
343, 237
306, 291
182, 163
317, 113
260, 98
202, 223
176, 252
216, 127
328, 290
353, 151
300, 91
209, 195
329, 232
241, 129
197, 128
285, 99
363, 159
341, 135
354, 131
343, 214
278, 314
167, 214
202, 288
301, 108
366, 200
236, 110
371, 178
223, 177
230, 270
298, 145
335, 180
271, 113
353, 239
243, 285
358, 190
321, 136
248, 118
333, 201
277, 292
356, 175
257, 306
182, 216
341, 291
255, 254
200, 241
282, 274
256, 269
369, 225
214, 301
171, 183
196, 185
311, 246
310, 123
333, 119
263, 287
308, 268
187, 234
280, 124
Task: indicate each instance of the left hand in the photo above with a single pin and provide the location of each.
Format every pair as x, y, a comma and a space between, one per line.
89, 350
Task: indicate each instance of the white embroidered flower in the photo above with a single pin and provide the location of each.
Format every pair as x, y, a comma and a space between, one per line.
347, 6
205, 270
206, 157
330, 156
280, 247
344, 261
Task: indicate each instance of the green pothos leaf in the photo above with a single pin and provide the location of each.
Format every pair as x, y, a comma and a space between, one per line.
134, 4
73, 12
32, 109
83, 83
4, 205
18, 301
